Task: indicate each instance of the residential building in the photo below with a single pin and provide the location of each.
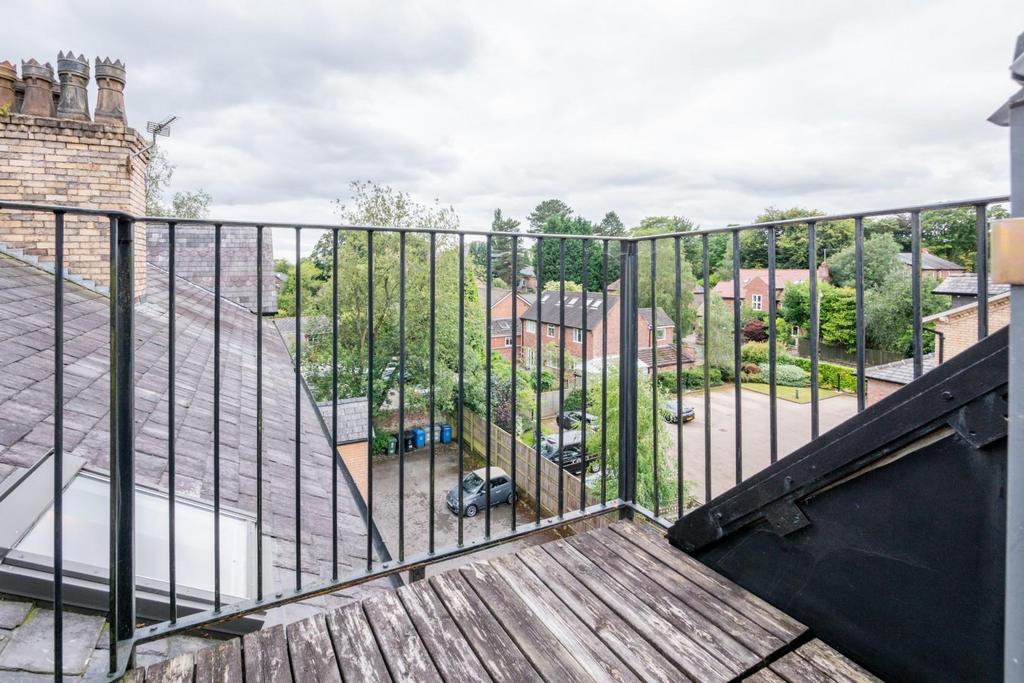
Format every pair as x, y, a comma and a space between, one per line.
754, 285
652, 331
962, 288
527, 279
932, 265
502, 329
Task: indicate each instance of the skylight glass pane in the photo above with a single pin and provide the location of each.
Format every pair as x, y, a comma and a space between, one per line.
87, 536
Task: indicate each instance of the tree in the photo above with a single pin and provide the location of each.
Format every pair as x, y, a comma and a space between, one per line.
951, 233
286, 296
545, 211
191, 204
554, 286
611, 225
796, 304
754, 331
501, 248
720, 343
897, 227
548, 268
838, 316
665, 281
881, 259
888, 311
159, 172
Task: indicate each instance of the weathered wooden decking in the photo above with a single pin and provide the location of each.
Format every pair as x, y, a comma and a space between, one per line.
618, 604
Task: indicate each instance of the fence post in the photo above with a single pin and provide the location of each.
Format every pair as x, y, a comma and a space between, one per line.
629, 282
1008, 268
122, 433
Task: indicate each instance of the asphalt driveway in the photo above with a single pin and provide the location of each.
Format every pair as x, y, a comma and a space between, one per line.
418, 504
794, 420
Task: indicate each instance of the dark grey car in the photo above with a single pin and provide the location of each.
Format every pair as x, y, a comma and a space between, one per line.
474, 493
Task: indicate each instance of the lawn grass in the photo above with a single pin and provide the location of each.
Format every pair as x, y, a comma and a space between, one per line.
794, 394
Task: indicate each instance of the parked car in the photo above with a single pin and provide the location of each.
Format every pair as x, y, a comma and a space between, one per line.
670, 411
474, 492
572, 419
570, 455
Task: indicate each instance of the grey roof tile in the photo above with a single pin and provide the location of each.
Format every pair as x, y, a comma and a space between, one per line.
900, 371
966, 284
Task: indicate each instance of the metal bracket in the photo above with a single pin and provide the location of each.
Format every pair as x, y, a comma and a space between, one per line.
786, 517
981, 421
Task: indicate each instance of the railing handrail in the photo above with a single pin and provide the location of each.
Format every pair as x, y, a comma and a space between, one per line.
803, 220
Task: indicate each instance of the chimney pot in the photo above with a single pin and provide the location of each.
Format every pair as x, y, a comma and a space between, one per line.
110, 77
38, 79
8, 77
74, 79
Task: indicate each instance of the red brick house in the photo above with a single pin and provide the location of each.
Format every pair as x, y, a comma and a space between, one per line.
754, 285
652, 331
502, 330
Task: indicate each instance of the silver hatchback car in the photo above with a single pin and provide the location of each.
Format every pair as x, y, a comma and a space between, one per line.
474, 492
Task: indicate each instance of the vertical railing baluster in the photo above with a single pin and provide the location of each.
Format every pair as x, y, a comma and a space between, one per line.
334, 405
706, 284
58, 446
259, 412
401, 397
678, 339
431, 381
122, 434
773, 408
487, 392
370, 402
915, 279
981, 267
216, 410
561, 376
812, 290
737, 354
298, 408
653, 322
858, 240
584, 424
628, 309
515, 385
539, 377
462, 375
604, 372
171, 455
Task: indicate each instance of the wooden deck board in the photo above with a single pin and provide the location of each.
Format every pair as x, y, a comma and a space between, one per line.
617, 604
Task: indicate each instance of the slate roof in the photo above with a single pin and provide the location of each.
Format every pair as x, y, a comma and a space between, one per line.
573, 308
900, 371
26, 399
663, 319
501, 327
930, 261
966, 284
666, 356
351, 418
194, 260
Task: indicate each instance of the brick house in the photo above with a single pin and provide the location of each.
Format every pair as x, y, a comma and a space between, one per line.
652, 331
932, 265
754, 285
502, 330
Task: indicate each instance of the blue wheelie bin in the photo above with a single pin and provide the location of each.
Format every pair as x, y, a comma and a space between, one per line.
421, 437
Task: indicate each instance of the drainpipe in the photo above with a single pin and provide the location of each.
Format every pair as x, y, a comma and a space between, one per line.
1008, 268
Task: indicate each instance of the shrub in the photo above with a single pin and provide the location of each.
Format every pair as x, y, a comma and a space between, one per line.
787, 375
755, 331
831, 375
757, 352
755, 377
751, 368
726, 372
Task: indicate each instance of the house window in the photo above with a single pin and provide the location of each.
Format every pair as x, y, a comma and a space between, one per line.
508, 341
551, 330
577, 335
528, 357
531, 326
661, 333
756, 302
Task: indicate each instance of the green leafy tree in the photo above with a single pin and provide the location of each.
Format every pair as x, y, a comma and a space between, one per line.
665, 281
549, 254
191, 204
545, 211
888, 311
611, 225
796, 304
501, 248
951, 233
286, 296
881, 260
159, 171
720, 343
838, 316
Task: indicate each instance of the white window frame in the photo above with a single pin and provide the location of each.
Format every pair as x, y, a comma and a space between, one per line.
508, 342
550, 331
531, 326
757, 302
577, 335
661, 333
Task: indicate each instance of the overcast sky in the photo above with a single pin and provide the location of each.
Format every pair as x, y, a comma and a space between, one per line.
712, 110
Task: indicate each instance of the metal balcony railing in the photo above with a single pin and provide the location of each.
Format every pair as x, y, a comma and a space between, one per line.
593, 497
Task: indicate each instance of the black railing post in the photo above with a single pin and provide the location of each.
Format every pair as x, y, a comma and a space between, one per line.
1006, 268
122, 417
628, 271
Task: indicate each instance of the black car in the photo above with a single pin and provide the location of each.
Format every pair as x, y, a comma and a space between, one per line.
572, 419
570, 456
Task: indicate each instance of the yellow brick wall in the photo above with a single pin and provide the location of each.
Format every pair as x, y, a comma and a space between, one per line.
960, 329
77, 163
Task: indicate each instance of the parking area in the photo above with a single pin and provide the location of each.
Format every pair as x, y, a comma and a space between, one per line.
418, 504
794, 420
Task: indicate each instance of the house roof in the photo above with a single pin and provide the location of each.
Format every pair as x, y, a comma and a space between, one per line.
783, 277
929, 261
663, 319
666, 356
968, 309
501, 327
900, 371
966, 284
26, 399
352, 417
573, 308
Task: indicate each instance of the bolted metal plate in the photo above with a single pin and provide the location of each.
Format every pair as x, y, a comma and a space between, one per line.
1008, 251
